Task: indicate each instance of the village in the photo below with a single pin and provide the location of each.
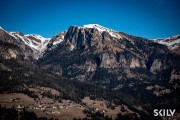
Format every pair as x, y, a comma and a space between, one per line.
47, 107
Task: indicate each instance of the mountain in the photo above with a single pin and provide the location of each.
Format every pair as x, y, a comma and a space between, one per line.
106, 58
20, 74
36, 42
90, 49
173, 43
7, 38
92, 60
93, 55
16, 67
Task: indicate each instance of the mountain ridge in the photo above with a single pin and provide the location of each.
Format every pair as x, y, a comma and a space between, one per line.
39, 48
173, 43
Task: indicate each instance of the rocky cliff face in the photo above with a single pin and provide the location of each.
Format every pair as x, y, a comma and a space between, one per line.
88, 51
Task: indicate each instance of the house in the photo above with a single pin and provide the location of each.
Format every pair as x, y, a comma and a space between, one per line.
55, 112
97, 109
16, 100
20, 107
54, 107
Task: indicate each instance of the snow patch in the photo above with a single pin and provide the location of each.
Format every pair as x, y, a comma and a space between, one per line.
101, 29
59, 40
171, 42
37, 37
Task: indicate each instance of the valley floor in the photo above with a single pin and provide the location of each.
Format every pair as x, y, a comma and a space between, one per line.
64, 109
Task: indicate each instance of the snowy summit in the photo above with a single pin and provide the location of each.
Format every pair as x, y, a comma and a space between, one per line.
101, 29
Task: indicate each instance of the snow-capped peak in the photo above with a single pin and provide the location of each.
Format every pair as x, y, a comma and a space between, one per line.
101, 29
36, 42
25, 39
37, 36
171, 42
91, 26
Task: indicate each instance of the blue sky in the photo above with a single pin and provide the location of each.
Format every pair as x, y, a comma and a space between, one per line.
146, 18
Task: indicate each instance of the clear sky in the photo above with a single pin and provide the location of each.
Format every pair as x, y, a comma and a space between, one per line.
146, 18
